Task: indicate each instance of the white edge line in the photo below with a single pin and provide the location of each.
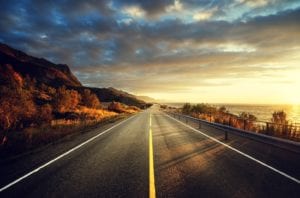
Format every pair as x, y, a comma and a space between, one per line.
240, 152
61, 156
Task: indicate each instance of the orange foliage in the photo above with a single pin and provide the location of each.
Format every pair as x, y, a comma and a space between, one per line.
116, 107
90, 99
121, 108
18, 78
66, 100
46, 113
17, 109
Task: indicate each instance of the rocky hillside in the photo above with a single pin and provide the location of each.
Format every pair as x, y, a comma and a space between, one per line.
16, 67
112, 94
43, 71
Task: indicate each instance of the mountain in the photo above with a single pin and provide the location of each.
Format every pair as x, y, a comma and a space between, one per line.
147, 99
40, 69
41, 101
114, 95
16, 67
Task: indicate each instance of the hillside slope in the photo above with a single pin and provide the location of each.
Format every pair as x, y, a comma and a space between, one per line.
40, 69
18, 67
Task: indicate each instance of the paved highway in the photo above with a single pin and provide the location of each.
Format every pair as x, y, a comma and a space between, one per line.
151, 154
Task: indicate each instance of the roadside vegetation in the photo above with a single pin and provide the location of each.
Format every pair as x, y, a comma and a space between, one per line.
34, 113
278, 126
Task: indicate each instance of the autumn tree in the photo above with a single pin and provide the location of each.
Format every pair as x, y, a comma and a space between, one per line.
45, 113
10, 77
186, 109
90, 99
199, 108
8, 111
279, 117
247, 122
66, 100
116, 107
222, 109
17, 108
29, 83
281, 124
75, 98
247, 116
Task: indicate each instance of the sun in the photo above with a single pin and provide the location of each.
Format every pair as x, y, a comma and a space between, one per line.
290, 96
294, 100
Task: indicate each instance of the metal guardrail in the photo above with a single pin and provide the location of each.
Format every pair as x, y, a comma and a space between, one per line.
274, 141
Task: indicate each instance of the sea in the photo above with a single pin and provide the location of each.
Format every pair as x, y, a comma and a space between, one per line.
262, 112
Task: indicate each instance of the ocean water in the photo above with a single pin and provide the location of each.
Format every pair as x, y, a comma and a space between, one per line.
262, 112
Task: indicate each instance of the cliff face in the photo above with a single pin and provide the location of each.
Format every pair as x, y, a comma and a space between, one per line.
22, 70
13, 61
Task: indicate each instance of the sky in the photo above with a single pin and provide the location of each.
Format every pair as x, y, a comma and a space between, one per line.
226, 51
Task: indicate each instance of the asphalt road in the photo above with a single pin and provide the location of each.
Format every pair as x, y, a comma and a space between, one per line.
185, 163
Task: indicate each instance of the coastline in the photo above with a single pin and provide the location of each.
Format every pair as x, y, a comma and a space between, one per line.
263, 112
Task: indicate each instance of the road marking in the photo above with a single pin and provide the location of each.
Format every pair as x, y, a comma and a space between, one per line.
151, 164
240, 152
61, 156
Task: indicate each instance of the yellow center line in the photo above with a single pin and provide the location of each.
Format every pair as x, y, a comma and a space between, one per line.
151, 164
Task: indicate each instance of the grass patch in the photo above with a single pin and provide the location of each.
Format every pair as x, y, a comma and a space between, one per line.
29, 139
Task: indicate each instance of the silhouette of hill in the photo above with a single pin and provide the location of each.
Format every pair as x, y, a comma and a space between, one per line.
112, 94
147, 99
42, 70
18, 67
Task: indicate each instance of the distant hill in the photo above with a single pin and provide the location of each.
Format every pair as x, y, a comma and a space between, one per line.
17, 67
111, 94
147, 99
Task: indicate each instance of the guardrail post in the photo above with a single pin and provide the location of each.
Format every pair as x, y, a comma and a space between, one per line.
199, 124
226, 135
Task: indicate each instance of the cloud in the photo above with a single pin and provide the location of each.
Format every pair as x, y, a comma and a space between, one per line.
204, 15
134, 11
177, 6
254, 3
162, 46
151, 8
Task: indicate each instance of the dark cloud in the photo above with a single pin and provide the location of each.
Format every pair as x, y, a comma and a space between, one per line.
153, 7
109, 48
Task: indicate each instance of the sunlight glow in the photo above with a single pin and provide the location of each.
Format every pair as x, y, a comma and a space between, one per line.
134, 11
177, 6
204, 15
232, 47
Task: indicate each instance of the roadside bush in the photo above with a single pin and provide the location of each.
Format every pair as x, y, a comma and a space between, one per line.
90, 99
116, 107
17, 109
66, 100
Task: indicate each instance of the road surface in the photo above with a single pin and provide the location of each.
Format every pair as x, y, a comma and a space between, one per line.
151, 154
